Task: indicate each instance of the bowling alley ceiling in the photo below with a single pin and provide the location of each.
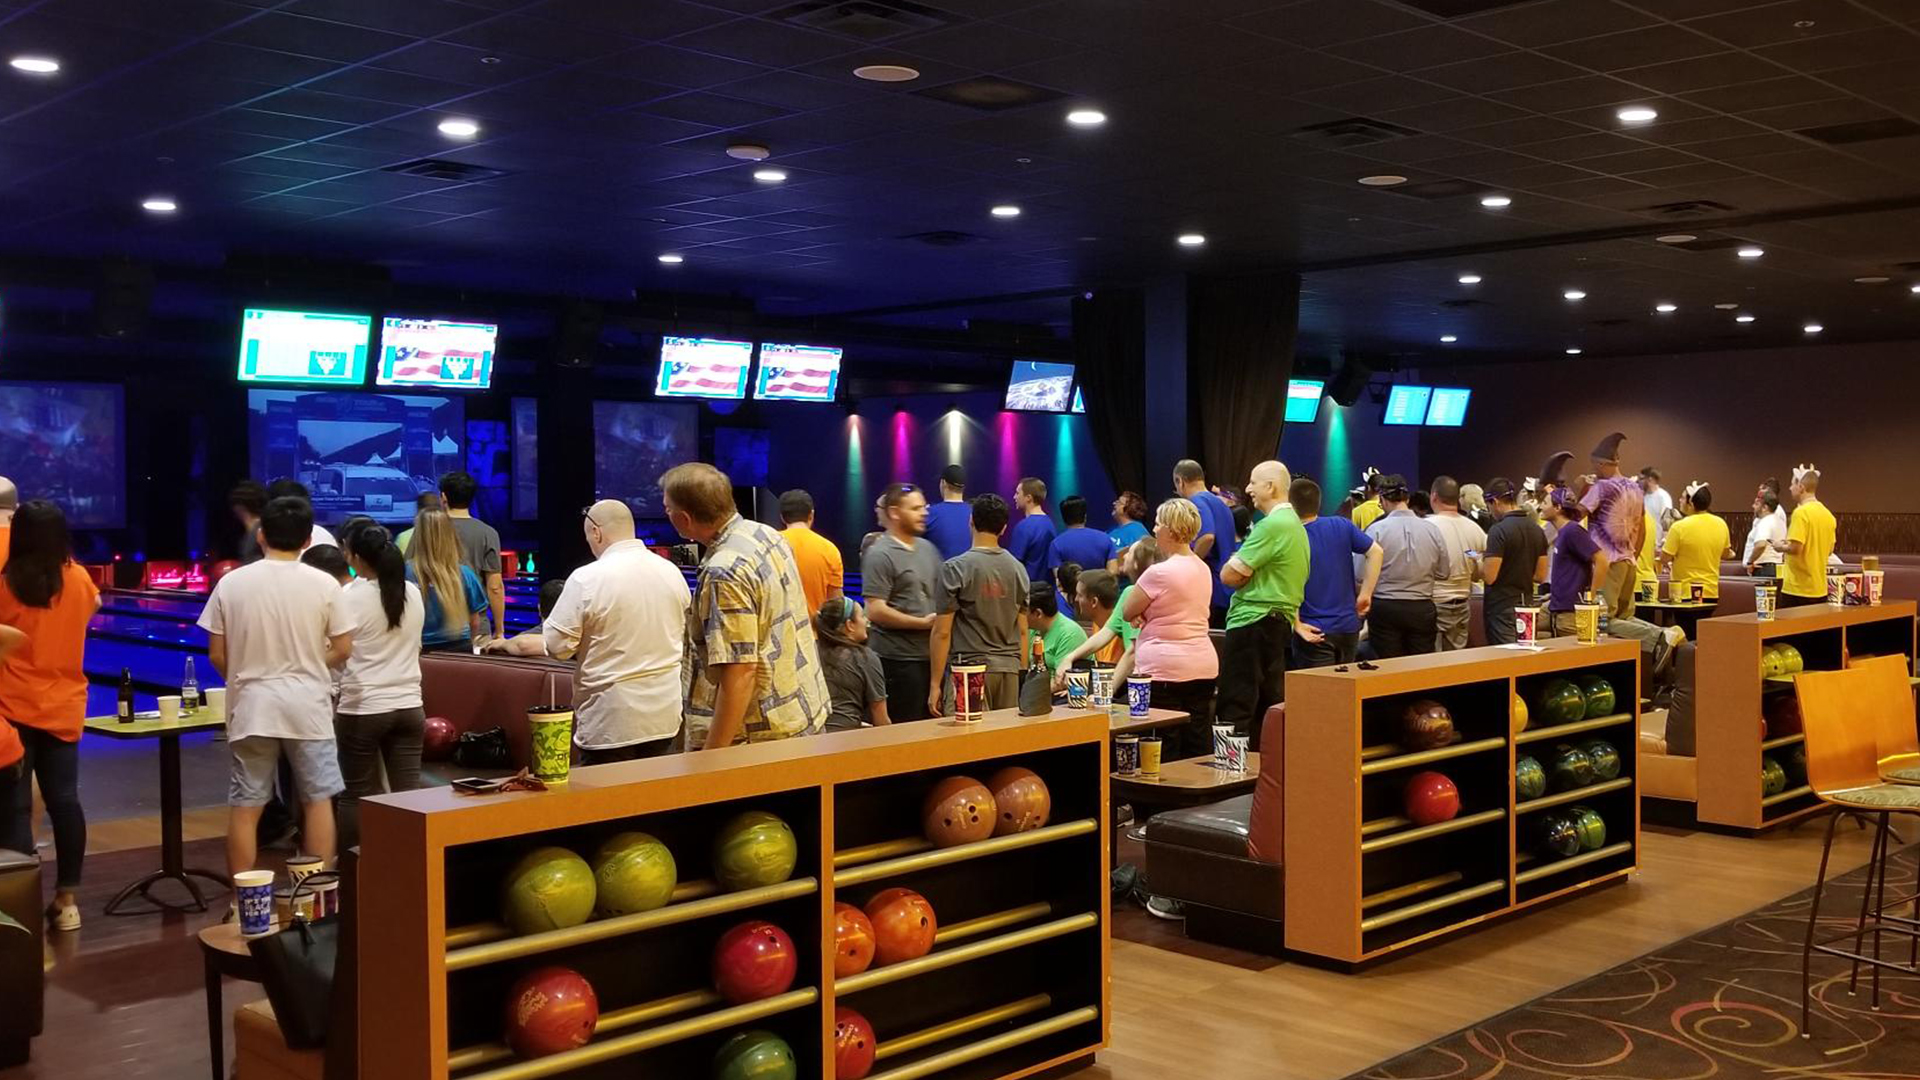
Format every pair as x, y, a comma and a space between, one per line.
312, 127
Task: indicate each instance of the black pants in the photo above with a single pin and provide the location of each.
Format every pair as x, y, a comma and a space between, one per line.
57, 764
1253, 673
368, 742
1496, 615
1195, 698
1402, 627
1335, 649
594, 755
1788, 600
908, 684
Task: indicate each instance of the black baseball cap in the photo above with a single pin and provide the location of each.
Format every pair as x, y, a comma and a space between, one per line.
954, 477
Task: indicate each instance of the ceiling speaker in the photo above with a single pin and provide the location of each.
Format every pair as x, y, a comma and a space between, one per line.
576, 338
1347, 386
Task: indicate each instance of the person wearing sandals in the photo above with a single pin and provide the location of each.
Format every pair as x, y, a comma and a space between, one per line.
48, 599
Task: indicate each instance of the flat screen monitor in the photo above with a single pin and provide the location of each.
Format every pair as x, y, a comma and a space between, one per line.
1406, 406
1303, 400
797, 372
437, 353
636, 442
358, 453
1448, 407
703, 368
743, 454
303, 347
66, 442
1079, 403
1039, 386
526, 458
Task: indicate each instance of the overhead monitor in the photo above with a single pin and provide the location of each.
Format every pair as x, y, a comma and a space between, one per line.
1079, 402
797, 372
66, 441
358, 453
703, 368
1448, 408
438, 353
1303, 400
1039, 386
1406, 406
303, 347
634, 442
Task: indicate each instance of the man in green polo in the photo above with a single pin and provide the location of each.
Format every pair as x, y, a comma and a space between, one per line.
1268, 575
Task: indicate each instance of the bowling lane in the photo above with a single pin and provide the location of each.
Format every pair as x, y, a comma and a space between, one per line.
155, 669
139, 629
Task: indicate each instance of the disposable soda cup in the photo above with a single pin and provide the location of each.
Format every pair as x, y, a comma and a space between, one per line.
1221, 733
970, 693
1527, 624
1586, 623
1697, 592
253, 895
1100, 687
1836, 590
1764, 601
1237, 753
1126, 755
1077, 682
302, 867
325, 887
1150, 758
1650, 590
1139, 696
1876, 586
552, 730
1855, 587
169, 705
216, 699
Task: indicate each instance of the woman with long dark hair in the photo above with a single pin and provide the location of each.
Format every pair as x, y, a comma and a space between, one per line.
456, 601
379, 717
49, 598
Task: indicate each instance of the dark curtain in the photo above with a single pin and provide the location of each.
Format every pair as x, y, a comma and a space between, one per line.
1240, 337
1110, 360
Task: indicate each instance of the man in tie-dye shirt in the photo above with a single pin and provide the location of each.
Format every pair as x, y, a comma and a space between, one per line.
1616, 516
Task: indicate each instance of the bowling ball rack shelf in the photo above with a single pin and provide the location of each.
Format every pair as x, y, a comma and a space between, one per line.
1364, 881
1015, 981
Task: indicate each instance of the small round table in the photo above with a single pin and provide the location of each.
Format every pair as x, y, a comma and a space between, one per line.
224, 953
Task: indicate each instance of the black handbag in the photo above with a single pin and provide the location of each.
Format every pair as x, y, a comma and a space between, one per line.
296, 966
1036, 691
483, 749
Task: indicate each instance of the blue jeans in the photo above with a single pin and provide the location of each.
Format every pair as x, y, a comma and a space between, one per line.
57, 763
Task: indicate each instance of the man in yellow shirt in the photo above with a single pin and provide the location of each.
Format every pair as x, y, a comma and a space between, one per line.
1810, 533
1368, 511
822, 574
1695, 545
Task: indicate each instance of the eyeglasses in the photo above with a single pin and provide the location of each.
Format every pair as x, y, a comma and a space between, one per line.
587, 512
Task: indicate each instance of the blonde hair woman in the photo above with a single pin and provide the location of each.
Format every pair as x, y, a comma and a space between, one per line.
1169, 602
456, 601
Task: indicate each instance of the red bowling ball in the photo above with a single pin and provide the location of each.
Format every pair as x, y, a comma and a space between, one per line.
1430, 798
550, 1010
753, 961
853, 1044
439, 739
852, 940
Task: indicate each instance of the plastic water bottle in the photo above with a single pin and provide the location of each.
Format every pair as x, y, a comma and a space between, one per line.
190, 700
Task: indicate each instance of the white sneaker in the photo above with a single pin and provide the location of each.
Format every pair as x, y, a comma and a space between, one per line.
63, 917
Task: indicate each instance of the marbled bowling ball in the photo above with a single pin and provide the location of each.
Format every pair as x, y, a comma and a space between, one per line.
1571, 768
1561, 702
1598, 693
1557, 836
1021, 800
1529, 778
550, 1010
1782, 714
1589, 826
903, 925
852, 940
1605, 759
1425, 725
853, 1044
1773, 776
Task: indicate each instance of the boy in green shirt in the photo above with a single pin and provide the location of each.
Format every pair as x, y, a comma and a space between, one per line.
1269, 576
1058, 635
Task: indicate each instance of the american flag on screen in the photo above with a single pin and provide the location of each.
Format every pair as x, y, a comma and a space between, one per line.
423, 364
702, 368
798, 371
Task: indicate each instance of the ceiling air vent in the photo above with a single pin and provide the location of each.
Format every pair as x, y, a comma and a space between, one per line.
863, 20
1351, 132
1437, 189
944, 237
1712, 243
1687, 208
990, 93
1888, 127
440, 169
1455, 9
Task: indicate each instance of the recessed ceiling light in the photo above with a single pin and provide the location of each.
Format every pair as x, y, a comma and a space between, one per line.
1194, 239
886, 73
1812, 328
1469, 279
1725, 307
1637, 114
672, 258
1574, 294
1005, 211
1448, 339
769, 176
1677, 238
1666, 309
1496, 202
748, 152
1086, 118
459, 129
1743, 318
158, 205
1876, 279
1383, 180
35, 65
1573, 352
1913, 288
1751, 252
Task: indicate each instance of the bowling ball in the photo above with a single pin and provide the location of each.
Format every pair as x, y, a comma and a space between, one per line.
1571, 768
753, 849
903, 926
1557, 835
439, 739
1529, 779
1782, 715
1589, 826
1021, 798
1430, 798
853, 1044
1605, 759
549, 1010
1599, 695
550, 888
632, 872
753, 960
755, 1055
959, 810
852, 940
1519, 714
1561, 702
1773, 776
1791, 660
1794, 761
1772, 662
1425, 725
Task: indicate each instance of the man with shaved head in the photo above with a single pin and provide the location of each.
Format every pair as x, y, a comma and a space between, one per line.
624, 616
1268, 574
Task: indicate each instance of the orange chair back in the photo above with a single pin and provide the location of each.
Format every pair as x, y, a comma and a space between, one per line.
1841, 750
1896, 740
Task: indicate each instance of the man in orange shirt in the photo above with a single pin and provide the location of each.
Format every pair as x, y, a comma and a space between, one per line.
822, 574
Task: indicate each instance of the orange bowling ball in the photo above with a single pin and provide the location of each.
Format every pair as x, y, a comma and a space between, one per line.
852, 940
959, 810
1021, 799
903, 925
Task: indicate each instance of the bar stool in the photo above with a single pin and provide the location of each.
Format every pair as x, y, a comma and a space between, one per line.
1843, 767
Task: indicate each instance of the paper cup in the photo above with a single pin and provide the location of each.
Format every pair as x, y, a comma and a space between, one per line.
1876, 586
1150, 758
1696, 592
1126, 755
552, 730
1139, 696
253, 893
1836, 590
325, 887
1765, 599
1237, 753
1586, 623
1527, 624
970, 693
1855, 589
1100, 687
216, 699
1077, 683
169, 707
301, 867
1650, 590
1221, 733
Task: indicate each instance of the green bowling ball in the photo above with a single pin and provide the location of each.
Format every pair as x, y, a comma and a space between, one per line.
1791, 660
1772, 661
1529, 779
755, 1055
754, 849
1589, 826
1606, 760
1599, 695
550, 888
1571, 768
1561, 702
632, 872
1773, 776
1557, 836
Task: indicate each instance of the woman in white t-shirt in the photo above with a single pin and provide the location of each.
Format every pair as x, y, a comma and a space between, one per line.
379, 718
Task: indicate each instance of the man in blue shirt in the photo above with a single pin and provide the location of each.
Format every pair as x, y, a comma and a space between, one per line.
1328, 630
1032, 535
950, 521
1215, 544
1090, 549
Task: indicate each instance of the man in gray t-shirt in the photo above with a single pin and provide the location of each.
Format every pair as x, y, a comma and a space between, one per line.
983, 618
898, 576
479, 543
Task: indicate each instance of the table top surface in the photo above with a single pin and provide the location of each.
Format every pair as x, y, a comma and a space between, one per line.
224, 938
149, 727
1199, 774
1676, 605
1155, 718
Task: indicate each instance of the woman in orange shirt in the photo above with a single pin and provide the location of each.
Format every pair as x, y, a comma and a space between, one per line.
46, 596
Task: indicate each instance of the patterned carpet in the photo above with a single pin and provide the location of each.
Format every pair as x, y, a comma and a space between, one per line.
1722, 1004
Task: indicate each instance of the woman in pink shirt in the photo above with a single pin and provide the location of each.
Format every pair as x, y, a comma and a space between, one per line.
1170, 605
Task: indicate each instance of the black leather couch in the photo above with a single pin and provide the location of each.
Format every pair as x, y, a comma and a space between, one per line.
22, 957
